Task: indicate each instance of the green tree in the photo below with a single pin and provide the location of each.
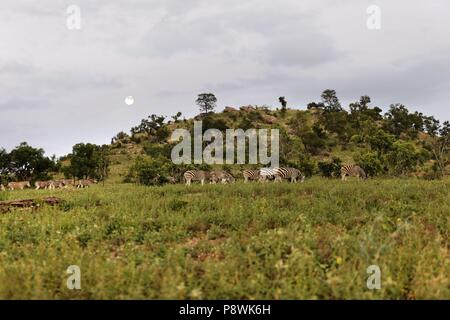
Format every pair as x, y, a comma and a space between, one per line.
439, 146
153, 127
176, 117
399, 121
330, 101
28, 163
88, 161
4, 165
150, 171
330, 169
206, 102
360, 113
381, 141
283, 103
371, 163
403, 158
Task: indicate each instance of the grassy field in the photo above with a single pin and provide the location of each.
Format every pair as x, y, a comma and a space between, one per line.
255, 241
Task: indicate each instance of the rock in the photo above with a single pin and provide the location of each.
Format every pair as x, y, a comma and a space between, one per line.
51, 201
247, 108
268, 119
230, 109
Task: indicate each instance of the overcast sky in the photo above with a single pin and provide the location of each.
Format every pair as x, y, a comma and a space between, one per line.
59, 87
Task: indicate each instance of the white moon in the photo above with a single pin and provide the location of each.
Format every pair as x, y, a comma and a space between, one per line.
129, 100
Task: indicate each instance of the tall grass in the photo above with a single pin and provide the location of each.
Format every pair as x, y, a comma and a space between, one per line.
244, 241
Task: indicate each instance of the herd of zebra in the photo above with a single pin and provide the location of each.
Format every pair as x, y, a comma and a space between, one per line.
263, 174
50, 184
215, 176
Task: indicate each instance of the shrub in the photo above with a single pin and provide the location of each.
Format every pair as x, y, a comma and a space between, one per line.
403, 158
330, 169
370, 163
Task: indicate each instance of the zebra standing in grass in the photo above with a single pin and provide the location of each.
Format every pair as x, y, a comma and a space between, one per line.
251, 175
220, 176
43, 185
288, 173
267, 173
352, 170
195, 175
19, 185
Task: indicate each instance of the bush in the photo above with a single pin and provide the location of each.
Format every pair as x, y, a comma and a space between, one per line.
155, 150
149, 171
330, 169
403, 158
370, 163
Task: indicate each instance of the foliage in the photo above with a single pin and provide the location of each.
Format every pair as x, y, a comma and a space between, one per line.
241, 241
399, 120
26, 163
88, 161
371, 163
403, 158
206, 102
330, 169
153, 127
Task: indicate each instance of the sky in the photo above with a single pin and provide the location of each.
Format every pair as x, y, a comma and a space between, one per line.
61, 85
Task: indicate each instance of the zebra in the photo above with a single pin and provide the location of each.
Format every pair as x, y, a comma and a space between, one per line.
352, 170
19, 185
85, 183
195, 175
222, 176
251, 175
44, 185
67, 182
288, 173
267, 173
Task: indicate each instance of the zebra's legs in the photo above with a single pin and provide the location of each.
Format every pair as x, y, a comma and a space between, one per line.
343, 177
203, 182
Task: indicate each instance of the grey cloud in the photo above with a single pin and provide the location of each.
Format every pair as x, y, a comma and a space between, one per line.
165, 52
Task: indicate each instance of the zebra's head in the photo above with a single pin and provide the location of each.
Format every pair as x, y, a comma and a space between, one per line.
363, 174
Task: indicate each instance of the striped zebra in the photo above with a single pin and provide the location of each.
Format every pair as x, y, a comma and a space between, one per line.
288, 173
221, 176
43, 185
267, 173
19, 185
195, 175
251, 175
352, 170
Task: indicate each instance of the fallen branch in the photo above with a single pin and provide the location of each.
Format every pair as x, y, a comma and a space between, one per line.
6, 206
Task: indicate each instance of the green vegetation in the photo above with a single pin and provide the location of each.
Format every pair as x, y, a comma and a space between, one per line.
243, 241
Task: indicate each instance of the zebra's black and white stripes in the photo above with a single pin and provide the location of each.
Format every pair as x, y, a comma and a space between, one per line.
282, 173
262, 175
195, 175
352, 170
220, 176
268, 174
288, 173
252, 175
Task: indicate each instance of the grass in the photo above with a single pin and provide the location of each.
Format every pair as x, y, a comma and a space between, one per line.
256, 241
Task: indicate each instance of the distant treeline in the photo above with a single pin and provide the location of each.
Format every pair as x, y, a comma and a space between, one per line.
25, 163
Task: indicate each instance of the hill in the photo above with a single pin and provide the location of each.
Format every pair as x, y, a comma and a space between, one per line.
317, 140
